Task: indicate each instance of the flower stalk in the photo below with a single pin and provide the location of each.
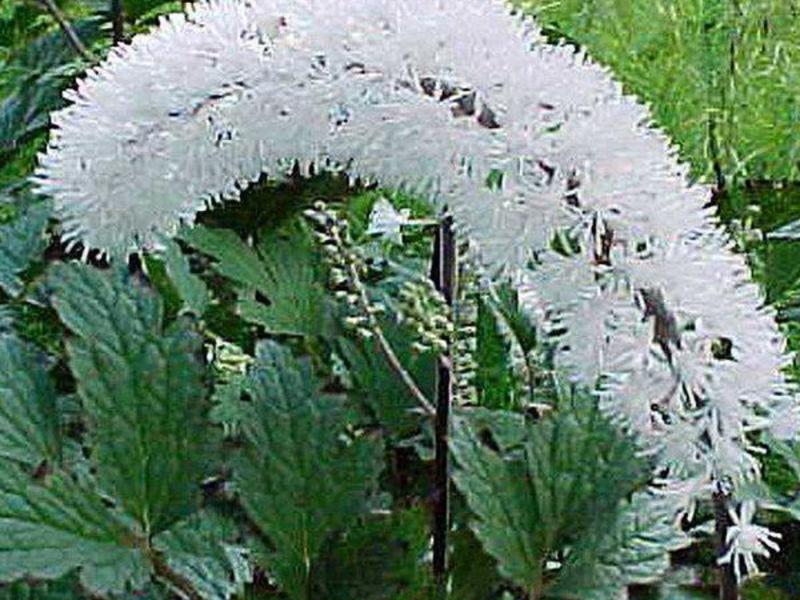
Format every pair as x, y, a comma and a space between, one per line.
345, 266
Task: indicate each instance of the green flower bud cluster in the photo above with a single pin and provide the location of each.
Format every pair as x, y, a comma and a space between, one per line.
423, 308
229, 364
228, 361
346, 266
465, 343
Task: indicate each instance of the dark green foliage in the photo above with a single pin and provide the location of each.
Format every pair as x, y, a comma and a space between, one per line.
302, 476
48, 530
494, 377
377, 388
62, 589
29, 427
190, 289
278, 280
32, 82
378, 559
474, 571
22, 241
205, 550
539, 488
140, 383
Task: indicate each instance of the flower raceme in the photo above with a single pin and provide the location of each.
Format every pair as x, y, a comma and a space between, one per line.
643, 296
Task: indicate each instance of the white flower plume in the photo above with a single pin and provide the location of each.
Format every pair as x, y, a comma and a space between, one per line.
653, 309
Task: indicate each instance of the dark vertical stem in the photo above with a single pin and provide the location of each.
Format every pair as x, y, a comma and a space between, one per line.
117, 21
728, 587
717, 76
443, 273
714, 151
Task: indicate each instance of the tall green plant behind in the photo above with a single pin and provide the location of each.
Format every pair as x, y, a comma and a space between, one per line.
721, 76
220, 417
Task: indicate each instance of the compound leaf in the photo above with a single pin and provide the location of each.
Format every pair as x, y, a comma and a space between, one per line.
634, 551
279, 284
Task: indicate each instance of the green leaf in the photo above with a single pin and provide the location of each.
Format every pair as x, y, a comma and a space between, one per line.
301, 478
21, 242
380, 558
494, 376
192, 291
634, 551
379, 389
228, 410
560, 485
721, 77
280, 287
33, 81
473, 571
28, 419
62, 589
202, 550
142, 389
50, 528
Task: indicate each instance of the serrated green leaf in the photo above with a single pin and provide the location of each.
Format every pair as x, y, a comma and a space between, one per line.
634, 551
301, 478
141, 386
561, 485
50, 528
28, 420
192, 291
21, 242
280, 287
203, 550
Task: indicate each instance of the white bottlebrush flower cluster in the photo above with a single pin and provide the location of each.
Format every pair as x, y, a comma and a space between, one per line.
642, 293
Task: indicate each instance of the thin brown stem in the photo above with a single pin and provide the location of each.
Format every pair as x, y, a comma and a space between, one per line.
385, 347
394, 362
72, 36
333, 234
